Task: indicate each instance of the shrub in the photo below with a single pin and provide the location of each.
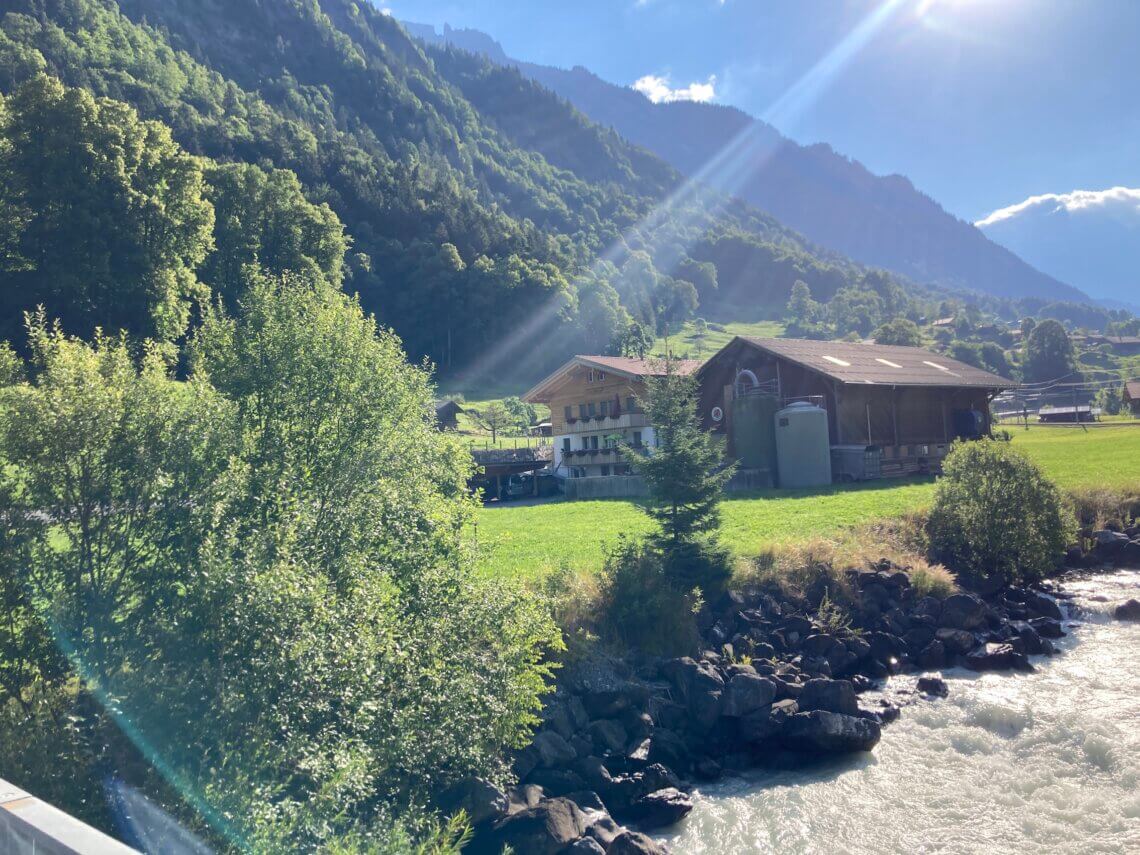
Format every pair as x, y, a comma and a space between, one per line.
639, 605
996, 515
931, 580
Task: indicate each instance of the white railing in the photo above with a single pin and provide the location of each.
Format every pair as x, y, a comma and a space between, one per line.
28, 825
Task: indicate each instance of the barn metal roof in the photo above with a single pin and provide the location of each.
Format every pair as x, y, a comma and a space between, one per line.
1132, 387
876, 364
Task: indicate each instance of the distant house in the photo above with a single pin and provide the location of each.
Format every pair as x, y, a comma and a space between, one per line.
1122, 345
447, 414
906, 402
1131, 396
594, 407
542, 429
943, 322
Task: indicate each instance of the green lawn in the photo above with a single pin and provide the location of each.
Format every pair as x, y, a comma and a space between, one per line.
528, 540
683, 343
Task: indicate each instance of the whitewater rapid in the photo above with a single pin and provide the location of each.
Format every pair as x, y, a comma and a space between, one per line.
1047, 762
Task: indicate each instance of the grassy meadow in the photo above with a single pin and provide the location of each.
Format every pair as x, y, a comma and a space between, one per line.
529, 540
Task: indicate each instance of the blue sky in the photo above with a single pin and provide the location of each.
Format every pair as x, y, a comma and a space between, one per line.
981, 103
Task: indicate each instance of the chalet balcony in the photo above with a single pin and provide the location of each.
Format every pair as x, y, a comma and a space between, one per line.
594, 424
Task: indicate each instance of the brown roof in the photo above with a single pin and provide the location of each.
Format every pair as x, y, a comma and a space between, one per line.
633, 368
1132, 390
877, 364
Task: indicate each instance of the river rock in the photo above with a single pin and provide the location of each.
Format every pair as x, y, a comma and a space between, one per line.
1128, 610
822, 732
669, 749
836, 696
585, 846
1129, 555
956, 641
933, 686
962, 611
545, 829
608, 734
932, 656
747, 693
553, 750
659, 809
997, 657
635, 843
1042, 605
1047, 627
481, 800
1027, 639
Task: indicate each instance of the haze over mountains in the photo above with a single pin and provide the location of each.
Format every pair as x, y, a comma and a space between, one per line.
1090, 238
832, 200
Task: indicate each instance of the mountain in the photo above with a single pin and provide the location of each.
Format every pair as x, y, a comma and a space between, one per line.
1088, 237
491, 223
832, 200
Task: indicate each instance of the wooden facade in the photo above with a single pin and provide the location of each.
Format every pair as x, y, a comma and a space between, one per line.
913, 422
594, 408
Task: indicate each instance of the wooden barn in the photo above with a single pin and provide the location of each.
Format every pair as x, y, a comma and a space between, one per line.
1131, 396
906, 402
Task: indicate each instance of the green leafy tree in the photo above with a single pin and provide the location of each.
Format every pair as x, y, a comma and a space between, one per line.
106, 216
264, 218
1048, 353
899, 331
700, 335
685, 474
995, 515
637, 341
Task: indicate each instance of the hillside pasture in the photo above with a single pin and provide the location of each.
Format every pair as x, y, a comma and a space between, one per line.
529, 540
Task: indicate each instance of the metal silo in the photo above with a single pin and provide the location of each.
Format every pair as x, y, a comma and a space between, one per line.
803, 446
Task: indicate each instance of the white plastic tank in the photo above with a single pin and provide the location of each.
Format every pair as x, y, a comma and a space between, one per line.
803, 446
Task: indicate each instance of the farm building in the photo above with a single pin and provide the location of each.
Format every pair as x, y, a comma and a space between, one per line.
594, 408
879, 409
1057, 415
1131, 396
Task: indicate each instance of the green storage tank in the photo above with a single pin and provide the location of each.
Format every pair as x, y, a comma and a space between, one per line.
803, 446
753, 431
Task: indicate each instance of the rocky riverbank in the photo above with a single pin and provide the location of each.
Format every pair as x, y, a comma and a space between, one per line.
623, 739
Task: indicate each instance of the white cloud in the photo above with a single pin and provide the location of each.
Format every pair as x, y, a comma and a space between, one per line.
657, 89
1078, 200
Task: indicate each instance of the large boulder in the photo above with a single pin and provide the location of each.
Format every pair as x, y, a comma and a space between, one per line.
609, 735
935, 686
660, 808
962, 611
1042, 605
747, 693
553, 750
1128, 610
545, 829
669, 749
955, 641
1129, 555
1047, 627
932, 656
481, 800
822, 732
837, 696
1109, 543
997, 657
635, 843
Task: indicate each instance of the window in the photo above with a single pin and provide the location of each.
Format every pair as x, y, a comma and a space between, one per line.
594, 376
637, 439
611, 442
631, 404
582, 411
605, 408
569, 413
594, 443
605, 470
565, 443
592, 409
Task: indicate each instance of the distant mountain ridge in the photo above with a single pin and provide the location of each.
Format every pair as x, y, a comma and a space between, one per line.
1088, 237
832, 200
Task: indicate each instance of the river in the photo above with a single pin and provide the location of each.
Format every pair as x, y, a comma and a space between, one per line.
1047, 762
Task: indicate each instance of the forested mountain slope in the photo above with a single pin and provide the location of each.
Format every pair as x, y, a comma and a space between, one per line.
486, 219
834, 201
